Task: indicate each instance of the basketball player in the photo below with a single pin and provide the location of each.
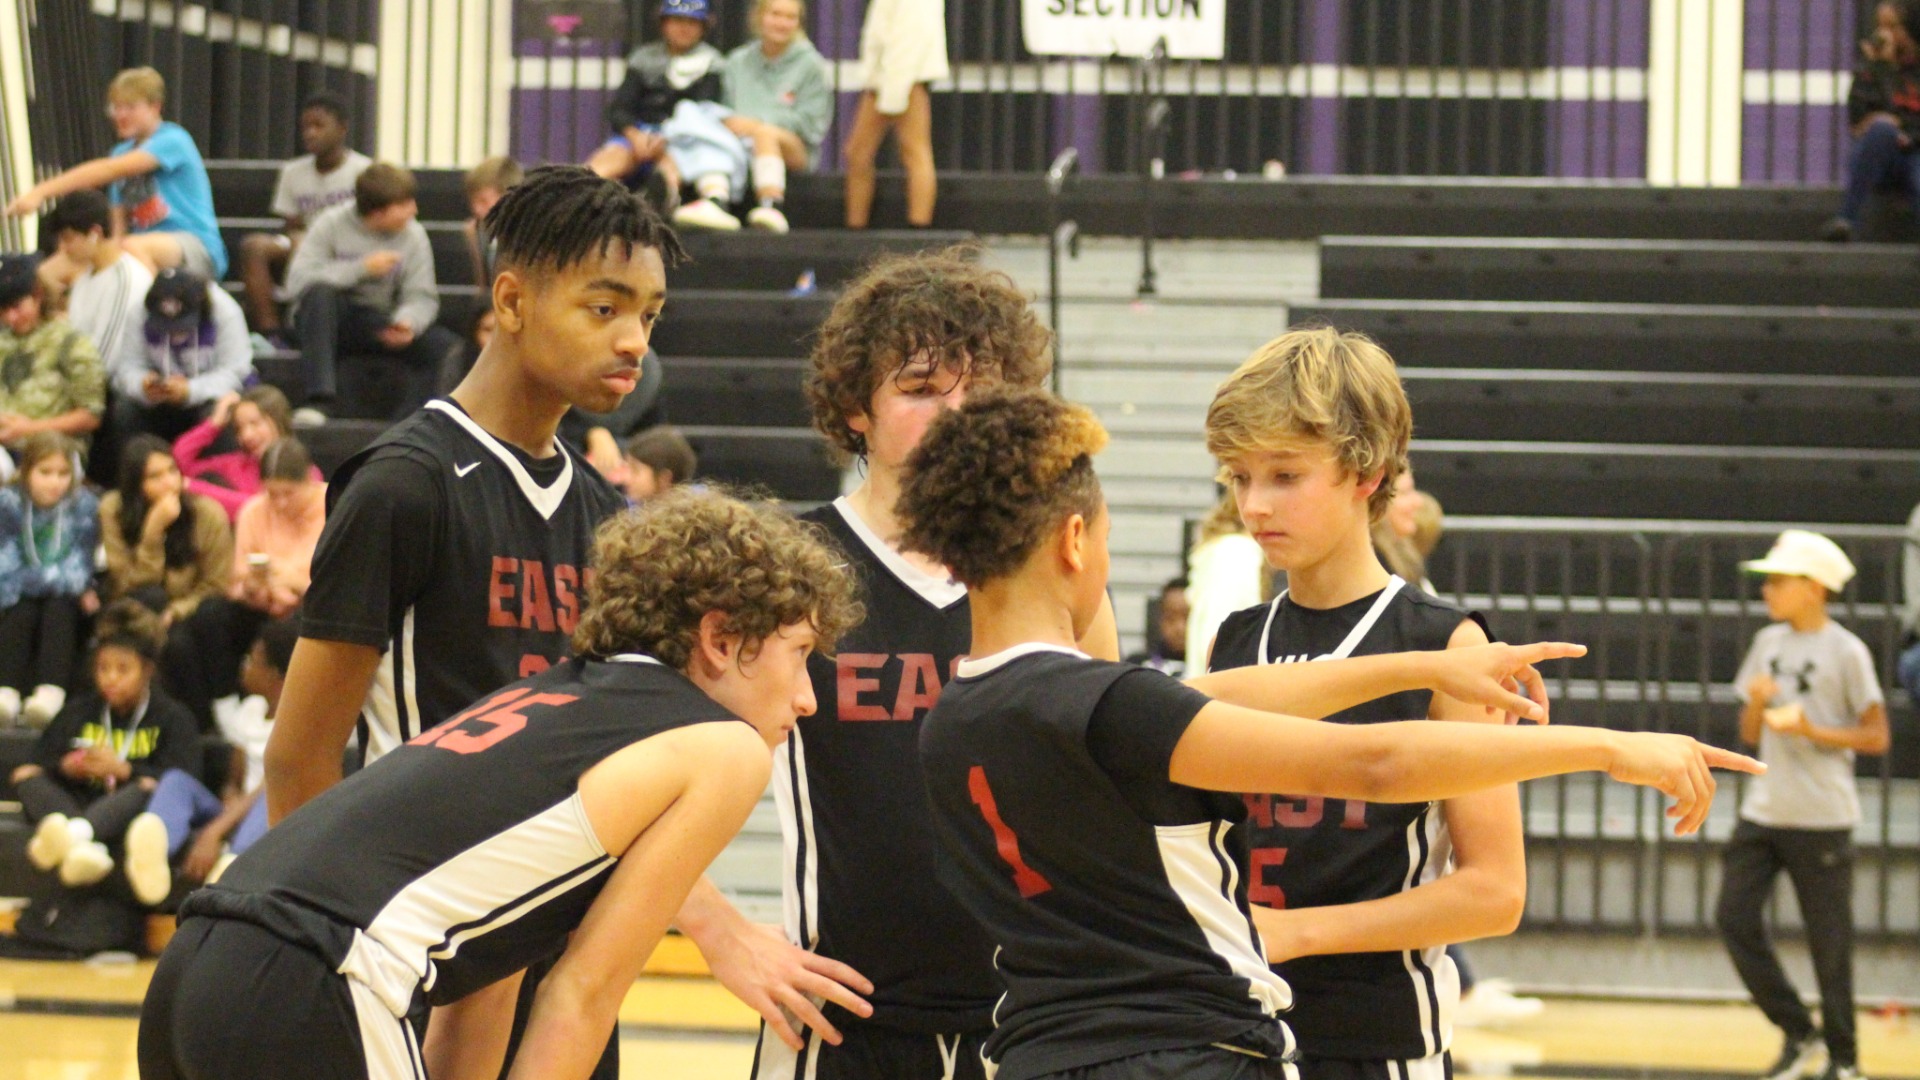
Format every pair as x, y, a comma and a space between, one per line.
1311, 432
1087, 809
568, 814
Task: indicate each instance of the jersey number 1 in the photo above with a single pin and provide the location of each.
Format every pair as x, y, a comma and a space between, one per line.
503, 716
1025, 878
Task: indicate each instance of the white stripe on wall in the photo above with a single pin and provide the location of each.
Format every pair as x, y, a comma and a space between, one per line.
196, 20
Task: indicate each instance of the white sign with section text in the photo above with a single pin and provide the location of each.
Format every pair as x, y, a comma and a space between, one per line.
1194, 29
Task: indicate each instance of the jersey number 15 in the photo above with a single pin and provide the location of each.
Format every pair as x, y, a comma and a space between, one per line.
487, 723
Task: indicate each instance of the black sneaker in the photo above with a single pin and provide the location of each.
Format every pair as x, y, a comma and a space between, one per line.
1837, 230
1796, 1058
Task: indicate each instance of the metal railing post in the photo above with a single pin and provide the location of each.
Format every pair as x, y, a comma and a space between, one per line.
1060, 234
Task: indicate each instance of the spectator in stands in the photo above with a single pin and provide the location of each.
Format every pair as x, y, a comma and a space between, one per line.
256, 419
224, 825
363, 282
777, 87
166, 547
1166, 651
50, 374
1812, 701
484, 184
273, 543
1225, 572
155, 179
98, 762
49, 527
107, 301
191, 351
1883, 107
655, 460
1909, 663
681, 66
320, 179
903, 47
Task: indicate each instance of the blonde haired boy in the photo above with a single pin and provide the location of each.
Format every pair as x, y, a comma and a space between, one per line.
1311, 433
163, 202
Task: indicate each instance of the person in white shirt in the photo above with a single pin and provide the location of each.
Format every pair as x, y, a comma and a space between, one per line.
319, 180
108, 300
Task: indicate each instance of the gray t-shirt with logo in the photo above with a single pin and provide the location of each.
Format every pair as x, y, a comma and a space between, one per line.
1829, 673
303, 190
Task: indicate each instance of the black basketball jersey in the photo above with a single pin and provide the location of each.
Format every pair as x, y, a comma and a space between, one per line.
1117, 933
466, 854
463, 559
1310, 851
859, 851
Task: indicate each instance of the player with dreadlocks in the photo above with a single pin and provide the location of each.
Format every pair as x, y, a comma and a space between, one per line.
455, 557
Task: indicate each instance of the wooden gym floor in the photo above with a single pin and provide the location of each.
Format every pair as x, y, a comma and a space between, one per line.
75, 1021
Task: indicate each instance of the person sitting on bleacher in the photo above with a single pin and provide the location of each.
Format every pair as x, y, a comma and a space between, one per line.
191, 352
224, 825
681, 66
256, 418
108, 301
49, 527
51, 378
484, 184
154, 176
165, 547
777, 87
273, 544
98, 762
363, 281
319, 180
1883, 110
655, 460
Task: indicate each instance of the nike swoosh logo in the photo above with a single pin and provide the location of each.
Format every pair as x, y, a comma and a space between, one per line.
462, 470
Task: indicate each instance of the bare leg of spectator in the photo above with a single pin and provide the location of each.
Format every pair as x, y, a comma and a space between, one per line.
862, 147
158, 250
261, 256
916, 156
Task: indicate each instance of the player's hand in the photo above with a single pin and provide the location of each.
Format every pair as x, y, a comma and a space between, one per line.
1500, 676
380, 263
1761, 690
1280, 932
782, 982
1679, 768
25, 203
397, 336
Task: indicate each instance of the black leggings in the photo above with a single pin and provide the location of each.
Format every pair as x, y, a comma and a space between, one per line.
109, 814
201, 663
39, 639
231, 1001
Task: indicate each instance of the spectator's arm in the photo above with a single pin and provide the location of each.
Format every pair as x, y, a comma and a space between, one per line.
74, 422
97, 173
1869, 736
86, 379
129, 369
232, 353
189, 448
419, 293
813, 105
284, 207
313, 262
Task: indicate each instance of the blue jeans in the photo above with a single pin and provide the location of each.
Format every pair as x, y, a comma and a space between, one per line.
1907, 669
1878, 161
184, 804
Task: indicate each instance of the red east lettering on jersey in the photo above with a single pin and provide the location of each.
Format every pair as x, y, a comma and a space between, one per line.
524, 594
918, 689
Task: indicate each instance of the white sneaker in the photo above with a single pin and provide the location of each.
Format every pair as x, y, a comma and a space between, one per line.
85, 865
9, 704
767, 219
146, 859
306, 417
1491, 1003
40, 709
52, 839
706, 214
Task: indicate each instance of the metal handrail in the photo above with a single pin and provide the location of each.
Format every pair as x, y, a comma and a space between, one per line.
1153, 146
1062, 234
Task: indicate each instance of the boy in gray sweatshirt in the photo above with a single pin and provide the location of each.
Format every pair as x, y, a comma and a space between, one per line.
363, 283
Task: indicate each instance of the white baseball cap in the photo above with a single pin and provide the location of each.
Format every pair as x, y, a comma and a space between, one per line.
1805, 554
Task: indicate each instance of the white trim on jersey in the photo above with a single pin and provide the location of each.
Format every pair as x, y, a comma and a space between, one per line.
395, 681
1202, 873
477, 891
1354, 637
941, 592
545, 500
775, 1060
974, 667
1436, 982
1431, 1067
799, 851
387, 1041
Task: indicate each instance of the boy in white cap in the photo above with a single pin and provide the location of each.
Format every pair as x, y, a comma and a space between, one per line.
1812, 700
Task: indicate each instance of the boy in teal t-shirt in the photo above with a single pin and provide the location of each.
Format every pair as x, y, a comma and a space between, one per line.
156, 180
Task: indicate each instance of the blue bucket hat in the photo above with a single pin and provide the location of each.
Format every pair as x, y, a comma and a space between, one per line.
685, 9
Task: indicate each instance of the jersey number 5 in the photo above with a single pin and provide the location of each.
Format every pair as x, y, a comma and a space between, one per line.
1025, 878
502, 716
